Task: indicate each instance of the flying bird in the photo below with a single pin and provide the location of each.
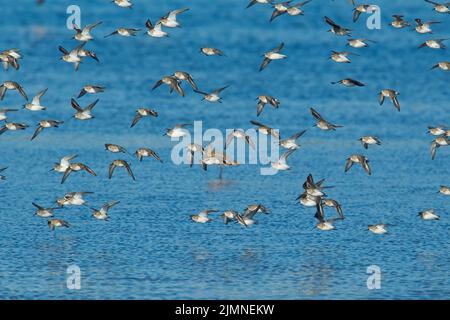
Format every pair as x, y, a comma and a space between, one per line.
46, 124
357, 158
391, 94
120, 163
141, 113
274, 54
321, 123
11, 85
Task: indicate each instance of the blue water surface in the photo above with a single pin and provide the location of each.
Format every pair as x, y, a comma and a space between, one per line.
150, 249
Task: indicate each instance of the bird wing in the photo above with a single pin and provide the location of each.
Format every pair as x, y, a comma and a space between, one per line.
136, 119
36, 133
92, 105
112, 166
75, 105
89, 170
396, 103
297, 135
218, 91
88, 28
315, 114
66, 175
276, 13
348, 164
264, 64
127, 166
37, 99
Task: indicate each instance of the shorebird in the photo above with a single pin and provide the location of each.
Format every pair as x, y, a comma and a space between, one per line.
46, 124
10, 58
247, 219
63, 164
115, 148
57, 223
120, 163
424, 27
85, 33
211, 157
274, 54
369, 140
146, 152
4, 111
92, 89
314, 188
35, 104
281, 164
184, 76
141, 113
362, 8
391, 94
83, 114
259, 208
262, 128
279, 9
295, 10
399, 22
437, 131
337, 29
440, 7
124, 32
72, 56
228, 215
341, 57
177, 131
12, 126
213, 96
444, 65
202, 217
309, 200
440, 141
155, 31
428, 215
291, 142
124, 3
2, 177
444, 190
324, 224
263, 100
11, 85
13, 53
321, 123
102, 214
334, 204
170, 19
172, 82
82, 53
379, 228
434, 44
76, 167
253, 2
73, 199
348, 82
209, 51
192, 148
358, 43
357, 158
44, 212
239, 134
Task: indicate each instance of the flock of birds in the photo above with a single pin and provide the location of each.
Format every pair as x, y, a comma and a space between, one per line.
313, 191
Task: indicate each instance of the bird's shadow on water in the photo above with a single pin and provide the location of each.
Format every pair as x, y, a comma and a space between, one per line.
219, 184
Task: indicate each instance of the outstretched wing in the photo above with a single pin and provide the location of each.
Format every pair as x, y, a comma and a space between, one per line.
264, 64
